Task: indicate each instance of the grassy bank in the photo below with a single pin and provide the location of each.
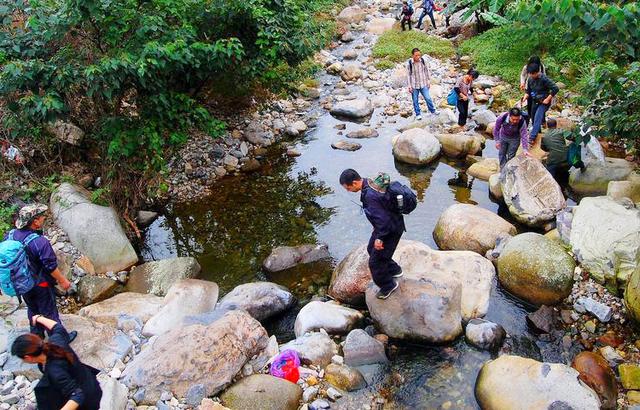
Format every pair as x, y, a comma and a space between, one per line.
395, 46
502, 51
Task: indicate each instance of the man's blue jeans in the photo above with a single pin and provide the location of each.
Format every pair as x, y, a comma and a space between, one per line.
415, 95
425, 14
539, 111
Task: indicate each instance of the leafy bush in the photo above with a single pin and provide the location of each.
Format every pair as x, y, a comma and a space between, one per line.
6, 218
395, 46
132, 73
502, 51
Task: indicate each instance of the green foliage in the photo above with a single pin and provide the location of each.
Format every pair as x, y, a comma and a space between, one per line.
612, 28
488, 12
132, 73
504, 50
614, 111
101, 196
395, 46
6, 217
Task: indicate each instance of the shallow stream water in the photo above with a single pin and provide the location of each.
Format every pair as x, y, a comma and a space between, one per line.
292, 201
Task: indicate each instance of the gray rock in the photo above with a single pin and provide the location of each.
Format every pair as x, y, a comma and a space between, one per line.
484, 334
542, 320
138, 396
350, 72
419, 310
317, 347
202, 296
158, 276
352, 14
95, 230
146, 218
358, 108
346, 145
484, 117
136, 305
92, 289
261, 300
310, 393
319, 404
216, 353
66, 132
363, 133
195, 394
595, 179
285, 257
333, 394
347, 37
416, 146
361, 349
114, 393
599, 310
262, 391
330, 316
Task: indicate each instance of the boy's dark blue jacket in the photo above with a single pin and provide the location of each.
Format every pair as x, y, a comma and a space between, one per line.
379, 212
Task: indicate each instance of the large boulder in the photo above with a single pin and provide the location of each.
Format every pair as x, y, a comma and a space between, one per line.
595, 179
361, 349
460, 145
422, 310
285, 257
595, 372
416, 146
536, 269
532, 195
513, 382
475, 273
358, 108
484, 117
625, 189
201, 295
605, 238
317, 347
352, 14
632, 295
484, 169
210, 356
137, 305
467, 227
380, 25
261, 300
158, 276
97, 344
262, 391
92, 289
330, 316
95, 230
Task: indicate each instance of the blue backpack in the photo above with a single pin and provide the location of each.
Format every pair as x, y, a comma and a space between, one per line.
452, 98
16, 277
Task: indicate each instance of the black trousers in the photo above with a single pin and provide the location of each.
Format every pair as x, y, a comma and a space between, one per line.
404, 22
381, 264
463, 109
41, 301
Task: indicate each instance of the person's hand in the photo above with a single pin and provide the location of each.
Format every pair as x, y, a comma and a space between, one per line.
378, 245
64, 284
547, 100
525, 98
428, 84
528, 154
521, 86
34, 319
410, 90
464, 98
498, 145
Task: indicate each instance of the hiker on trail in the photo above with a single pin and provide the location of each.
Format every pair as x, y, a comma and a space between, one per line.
419, 81
523, 73
66, 382
388, 227
464, 89
405, 15
561, 156
540, 91
509, 133
428, 7
43, 265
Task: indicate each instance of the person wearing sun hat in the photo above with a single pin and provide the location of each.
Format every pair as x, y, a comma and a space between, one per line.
41, 300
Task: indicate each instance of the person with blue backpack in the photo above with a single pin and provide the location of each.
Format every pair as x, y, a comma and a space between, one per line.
384, 203
29, 267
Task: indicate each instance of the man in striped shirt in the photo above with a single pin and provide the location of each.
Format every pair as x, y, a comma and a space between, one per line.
419, 81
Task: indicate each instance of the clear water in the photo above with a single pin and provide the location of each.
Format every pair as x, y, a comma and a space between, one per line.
296, 201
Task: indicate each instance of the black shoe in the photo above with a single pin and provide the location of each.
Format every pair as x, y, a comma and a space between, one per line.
72, 335
383, 295
399, 274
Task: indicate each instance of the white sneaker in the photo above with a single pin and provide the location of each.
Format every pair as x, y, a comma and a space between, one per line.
436, 112
418, 117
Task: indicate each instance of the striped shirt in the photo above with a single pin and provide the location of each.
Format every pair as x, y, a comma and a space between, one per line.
418, 73
464, 87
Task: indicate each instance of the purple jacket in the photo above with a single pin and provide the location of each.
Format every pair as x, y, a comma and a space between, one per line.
41, 255
376, 209
505, 130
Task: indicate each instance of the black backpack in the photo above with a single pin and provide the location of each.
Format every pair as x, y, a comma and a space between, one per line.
409, 198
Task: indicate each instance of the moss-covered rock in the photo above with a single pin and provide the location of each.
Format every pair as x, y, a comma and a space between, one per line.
536, 269
632, 295
344, 377
629, 375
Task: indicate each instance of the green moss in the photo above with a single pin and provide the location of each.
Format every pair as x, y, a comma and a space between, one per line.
503, 51
395, 46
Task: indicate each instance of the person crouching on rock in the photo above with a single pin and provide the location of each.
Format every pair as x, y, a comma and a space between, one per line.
464, 88
66, 383
405, 15
388, 227
509, 133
